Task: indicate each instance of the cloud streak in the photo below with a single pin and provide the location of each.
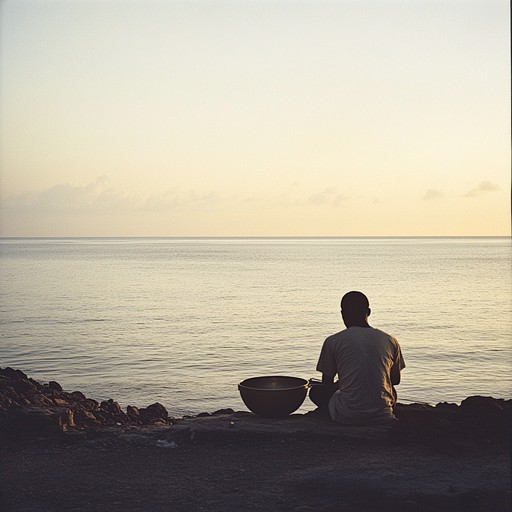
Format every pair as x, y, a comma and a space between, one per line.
329, 196
483, 188
95, 197
294, 198
98, 198
432, 194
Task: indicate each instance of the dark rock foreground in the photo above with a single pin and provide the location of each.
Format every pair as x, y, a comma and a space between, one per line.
64, 451
30, 408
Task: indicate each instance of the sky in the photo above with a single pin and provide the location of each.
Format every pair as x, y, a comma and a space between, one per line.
255, 118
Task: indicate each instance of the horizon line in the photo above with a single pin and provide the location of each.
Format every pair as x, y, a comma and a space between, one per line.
245, 237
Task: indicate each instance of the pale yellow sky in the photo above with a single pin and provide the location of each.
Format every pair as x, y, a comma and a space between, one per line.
261, 118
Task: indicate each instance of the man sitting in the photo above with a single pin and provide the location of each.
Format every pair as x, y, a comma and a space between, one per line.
368, 363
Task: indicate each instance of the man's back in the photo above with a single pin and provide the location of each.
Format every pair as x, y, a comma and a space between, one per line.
364, 358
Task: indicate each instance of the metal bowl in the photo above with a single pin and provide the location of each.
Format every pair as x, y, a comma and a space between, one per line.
273, 396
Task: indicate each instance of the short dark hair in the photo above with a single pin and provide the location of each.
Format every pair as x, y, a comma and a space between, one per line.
355, 302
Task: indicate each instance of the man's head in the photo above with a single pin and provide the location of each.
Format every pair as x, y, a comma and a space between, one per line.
355, 309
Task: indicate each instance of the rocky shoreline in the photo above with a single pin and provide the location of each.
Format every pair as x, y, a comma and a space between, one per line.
444, 457
30, 407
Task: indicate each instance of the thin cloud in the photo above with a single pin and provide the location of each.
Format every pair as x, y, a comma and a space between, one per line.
176, 199
483, 188
98, 198
292, 197
68, 199
432, 194
329, 196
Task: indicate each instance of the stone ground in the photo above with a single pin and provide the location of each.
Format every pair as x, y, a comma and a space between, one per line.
239, 462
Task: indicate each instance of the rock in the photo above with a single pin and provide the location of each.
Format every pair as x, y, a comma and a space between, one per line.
483, 405
78, 396
13, 374
6, 403
121, 418
4, 382
104, 417
41, 401
9, 397
17, 391
54, 385
132, 410
111, 407
60, 402
413, 407
45, 390
89, 404
445, 406
36, 421
154, 411
223, 411
85, 418
26, 386
133, 413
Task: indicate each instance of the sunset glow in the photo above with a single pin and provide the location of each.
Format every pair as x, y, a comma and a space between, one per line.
266, 118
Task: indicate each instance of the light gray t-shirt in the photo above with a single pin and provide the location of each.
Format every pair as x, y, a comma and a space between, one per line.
363, 358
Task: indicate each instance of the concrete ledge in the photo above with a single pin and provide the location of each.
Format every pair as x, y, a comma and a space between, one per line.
244, 424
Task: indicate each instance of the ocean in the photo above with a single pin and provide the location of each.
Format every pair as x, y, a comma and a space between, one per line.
182, 321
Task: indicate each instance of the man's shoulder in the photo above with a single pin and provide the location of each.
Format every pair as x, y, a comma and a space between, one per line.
383, 333
341, 337
336, 336
351, 333
387, 334
386, 339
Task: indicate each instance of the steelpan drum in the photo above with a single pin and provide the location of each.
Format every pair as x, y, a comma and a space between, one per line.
273, 396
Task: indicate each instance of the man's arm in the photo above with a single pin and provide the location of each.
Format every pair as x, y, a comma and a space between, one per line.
395, 375
397, 367
327, 380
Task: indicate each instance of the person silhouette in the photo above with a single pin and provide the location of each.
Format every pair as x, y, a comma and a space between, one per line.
368, 363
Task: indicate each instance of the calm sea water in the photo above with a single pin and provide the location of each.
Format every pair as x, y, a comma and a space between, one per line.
182, 321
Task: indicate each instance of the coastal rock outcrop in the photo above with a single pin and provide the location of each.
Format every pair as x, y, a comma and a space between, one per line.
28, 407
441, 458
